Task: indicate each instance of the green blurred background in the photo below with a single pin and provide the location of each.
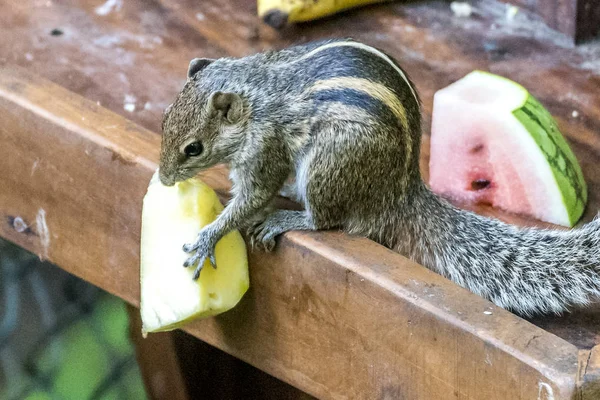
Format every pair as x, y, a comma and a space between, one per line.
60, 337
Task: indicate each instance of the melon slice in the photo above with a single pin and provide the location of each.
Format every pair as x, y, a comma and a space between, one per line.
493, 143
171, 217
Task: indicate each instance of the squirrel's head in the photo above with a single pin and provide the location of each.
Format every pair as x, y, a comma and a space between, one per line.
203, 127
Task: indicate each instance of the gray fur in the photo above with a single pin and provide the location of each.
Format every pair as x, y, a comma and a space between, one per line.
358, 171
196, 65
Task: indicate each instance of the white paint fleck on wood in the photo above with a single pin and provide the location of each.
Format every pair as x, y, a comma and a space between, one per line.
43, 233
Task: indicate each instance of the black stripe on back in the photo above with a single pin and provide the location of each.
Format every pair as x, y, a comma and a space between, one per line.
356, 98
348, 61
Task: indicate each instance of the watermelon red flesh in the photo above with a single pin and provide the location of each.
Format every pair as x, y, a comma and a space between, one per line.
470, 162
481, 153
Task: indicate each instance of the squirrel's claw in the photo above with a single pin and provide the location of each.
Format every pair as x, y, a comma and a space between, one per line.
197, 271
192, 260
261, 234
198, 259
204, 248
276, 223
195, 259
213, 260
188, 248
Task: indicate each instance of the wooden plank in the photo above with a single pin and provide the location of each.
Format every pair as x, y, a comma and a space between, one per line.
213, 374
158, 361
590, 374
106, 55
178, 366
588, 20
335, 316
578, 19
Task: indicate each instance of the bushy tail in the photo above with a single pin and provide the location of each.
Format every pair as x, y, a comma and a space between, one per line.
529, 271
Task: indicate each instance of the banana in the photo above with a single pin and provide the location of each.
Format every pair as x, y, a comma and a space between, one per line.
278, 13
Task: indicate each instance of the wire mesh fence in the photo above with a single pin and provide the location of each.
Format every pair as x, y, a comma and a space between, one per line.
60, 337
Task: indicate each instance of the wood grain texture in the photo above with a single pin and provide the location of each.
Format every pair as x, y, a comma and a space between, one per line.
590, 374
335, 316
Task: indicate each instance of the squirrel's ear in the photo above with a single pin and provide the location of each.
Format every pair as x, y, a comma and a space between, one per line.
230, 105
197, 65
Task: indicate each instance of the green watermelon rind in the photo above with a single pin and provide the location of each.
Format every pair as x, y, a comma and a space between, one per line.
543, 129
563, 163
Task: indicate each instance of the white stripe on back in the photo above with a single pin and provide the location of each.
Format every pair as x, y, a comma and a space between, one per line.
373, 89
365, 48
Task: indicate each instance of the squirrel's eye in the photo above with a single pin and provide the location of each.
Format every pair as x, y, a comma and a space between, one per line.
193, 149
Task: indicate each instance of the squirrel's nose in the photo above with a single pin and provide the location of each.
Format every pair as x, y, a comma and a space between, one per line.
165, 179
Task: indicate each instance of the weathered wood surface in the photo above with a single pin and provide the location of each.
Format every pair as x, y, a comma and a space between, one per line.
579, 19
137, 54
337, 317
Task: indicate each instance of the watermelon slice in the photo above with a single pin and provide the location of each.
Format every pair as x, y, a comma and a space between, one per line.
493, 143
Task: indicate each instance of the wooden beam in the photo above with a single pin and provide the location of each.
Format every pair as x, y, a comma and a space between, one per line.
213, 374
335, 316
578, 19
588, 20
158, 362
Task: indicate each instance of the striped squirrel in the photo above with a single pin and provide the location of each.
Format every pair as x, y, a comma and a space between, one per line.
344, 119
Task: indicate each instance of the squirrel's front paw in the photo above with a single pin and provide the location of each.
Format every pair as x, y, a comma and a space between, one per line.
264, 234
277, 223
203, 248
